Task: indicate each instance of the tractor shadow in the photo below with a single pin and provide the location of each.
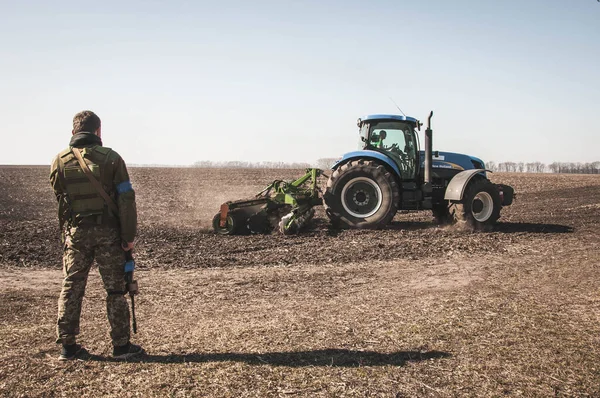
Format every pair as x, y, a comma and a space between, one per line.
330, 358
334, 231
514, 227
502, 227
410, 225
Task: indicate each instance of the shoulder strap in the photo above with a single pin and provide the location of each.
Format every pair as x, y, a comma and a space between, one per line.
88, 173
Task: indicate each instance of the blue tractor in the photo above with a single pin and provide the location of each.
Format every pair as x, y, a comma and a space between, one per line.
389, 173
367, 187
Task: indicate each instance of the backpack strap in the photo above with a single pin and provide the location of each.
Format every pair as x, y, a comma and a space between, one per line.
88, 173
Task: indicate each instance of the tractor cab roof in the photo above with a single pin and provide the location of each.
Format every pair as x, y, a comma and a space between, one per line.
390, 117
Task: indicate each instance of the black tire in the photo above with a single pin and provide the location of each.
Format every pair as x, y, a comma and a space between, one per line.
231, 227
441, 213
480, 207
361, 194
508, 193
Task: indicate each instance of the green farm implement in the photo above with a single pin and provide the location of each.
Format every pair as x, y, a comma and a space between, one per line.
287, 205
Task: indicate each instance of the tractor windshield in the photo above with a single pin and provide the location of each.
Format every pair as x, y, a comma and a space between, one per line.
397, 140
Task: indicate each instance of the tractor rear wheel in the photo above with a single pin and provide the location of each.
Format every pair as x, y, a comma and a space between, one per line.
480, 207
441, 213
361, 194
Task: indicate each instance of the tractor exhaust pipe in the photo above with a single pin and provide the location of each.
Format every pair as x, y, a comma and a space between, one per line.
428, 154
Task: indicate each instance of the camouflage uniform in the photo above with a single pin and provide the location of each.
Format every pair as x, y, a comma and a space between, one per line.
91, 231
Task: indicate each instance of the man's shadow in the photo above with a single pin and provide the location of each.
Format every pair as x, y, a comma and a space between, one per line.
329, 357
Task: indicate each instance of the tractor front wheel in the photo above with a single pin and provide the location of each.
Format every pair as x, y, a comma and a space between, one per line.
480, 207
361, 194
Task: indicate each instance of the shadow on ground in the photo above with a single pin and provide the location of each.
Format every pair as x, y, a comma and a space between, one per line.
333, 230
513, 227
330, 357
410, 225
505, 227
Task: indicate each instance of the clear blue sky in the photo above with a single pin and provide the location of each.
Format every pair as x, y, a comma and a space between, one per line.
182, 81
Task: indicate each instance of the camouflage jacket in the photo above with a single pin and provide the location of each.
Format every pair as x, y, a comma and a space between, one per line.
80, 203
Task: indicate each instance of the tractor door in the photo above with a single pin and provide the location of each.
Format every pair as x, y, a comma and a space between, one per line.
397, 140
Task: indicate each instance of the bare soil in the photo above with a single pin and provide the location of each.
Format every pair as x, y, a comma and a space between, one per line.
410, 310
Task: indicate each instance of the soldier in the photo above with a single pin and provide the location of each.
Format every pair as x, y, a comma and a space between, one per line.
93, 229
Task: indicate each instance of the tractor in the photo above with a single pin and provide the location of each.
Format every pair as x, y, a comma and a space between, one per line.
367, 187
389, 173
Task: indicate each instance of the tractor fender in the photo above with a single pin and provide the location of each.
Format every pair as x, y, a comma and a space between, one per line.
367, 154
456, 188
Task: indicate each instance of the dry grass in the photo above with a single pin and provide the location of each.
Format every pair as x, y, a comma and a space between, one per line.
522, 319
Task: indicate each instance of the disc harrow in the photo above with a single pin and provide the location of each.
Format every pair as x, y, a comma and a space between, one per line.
285, 205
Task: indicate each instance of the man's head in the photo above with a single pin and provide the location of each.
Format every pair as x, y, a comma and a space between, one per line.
382, 135
87, 121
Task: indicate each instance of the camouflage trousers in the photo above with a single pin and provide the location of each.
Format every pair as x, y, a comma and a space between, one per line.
82, 246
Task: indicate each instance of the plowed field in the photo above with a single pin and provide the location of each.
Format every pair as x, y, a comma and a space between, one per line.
410, 310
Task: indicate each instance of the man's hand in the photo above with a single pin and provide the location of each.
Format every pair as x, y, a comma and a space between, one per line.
127, 246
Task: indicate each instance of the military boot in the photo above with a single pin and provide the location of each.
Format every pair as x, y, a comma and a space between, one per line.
70, 352
127, 351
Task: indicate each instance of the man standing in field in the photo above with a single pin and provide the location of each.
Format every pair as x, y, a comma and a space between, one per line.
93, 227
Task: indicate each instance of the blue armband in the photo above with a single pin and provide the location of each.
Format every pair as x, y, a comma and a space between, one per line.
129, 266
123, 187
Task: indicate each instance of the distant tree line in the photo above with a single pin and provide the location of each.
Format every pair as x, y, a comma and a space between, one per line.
323, 163
237, 164
327, 163
539, 167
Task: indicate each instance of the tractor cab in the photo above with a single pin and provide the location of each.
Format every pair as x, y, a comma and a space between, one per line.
395, 137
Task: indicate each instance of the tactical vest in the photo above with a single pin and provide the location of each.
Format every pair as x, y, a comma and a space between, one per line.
86, 206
